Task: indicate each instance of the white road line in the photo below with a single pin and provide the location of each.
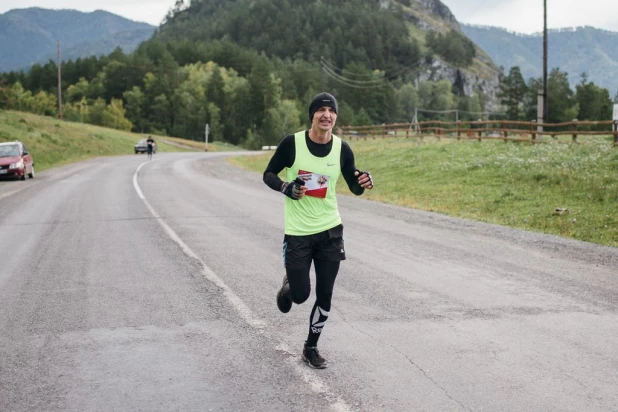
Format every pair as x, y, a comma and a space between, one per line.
315, 383
236, 302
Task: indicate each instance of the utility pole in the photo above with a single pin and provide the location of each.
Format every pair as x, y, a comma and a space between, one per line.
206, 133
544, 61
415, 121
59, 85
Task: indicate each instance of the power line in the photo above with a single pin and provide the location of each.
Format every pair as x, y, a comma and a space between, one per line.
391, 75
362, 84
332, 70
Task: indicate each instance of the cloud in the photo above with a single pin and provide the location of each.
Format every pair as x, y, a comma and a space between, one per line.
526, 16
523, 16
153, 13
149, 11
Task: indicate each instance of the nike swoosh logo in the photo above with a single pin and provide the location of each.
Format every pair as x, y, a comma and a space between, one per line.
331, 164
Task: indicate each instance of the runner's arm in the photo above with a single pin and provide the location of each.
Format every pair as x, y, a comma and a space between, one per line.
348, 168
283, 157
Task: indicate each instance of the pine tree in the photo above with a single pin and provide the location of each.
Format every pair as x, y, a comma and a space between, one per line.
513, 90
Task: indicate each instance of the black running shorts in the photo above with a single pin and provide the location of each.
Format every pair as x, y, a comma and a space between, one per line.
299, 251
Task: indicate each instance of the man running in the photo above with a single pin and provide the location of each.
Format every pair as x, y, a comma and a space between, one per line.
150, 146
314, 159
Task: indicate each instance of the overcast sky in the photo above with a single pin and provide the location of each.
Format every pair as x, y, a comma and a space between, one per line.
526, 16
523, 16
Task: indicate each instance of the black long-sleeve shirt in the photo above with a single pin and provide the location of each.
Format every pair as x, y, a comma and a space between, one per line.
286, 153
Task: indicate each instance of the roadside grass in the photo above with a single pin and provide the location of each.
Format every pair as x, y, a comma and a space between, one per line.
54, 142
199, 146
569, 190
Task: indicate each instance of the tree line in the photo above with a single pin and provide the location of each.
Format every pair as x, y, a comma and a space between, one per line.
246, 97
587, 102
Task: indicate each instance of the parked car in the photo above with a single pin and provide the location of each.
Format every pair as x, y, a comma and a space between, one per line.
142, 147
15, 161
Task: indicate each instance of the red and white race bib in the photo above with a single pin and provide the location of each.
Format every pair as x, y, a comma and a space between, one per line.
317, 184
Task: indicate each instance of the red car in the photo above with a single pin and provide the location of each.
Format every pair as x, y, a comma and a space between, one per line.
15, 161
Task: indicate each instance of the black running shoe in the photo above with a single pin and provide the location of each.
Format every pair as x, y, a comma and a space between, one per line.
313, 357
284, 300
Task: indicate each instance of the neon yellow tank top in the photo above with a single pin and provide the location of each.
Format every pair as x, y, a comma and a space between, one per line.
317, 211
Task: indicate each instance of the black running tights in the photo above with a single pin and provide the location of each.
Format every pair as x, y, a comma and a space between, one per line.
300, 289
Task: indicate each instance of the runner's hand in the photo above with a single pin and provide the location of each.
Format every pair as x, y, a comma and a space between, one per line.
364, 179
294, 190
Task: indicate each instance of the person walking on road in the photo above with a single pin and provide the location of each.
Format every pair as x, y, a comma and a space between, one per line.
313, 160
150, 146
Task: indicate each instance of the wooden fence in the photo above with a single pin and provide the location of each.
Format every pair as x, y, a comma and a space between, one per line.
485, 129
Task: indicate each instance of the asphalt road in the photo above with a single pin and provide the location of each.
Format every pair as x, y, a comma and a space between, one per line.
128, 285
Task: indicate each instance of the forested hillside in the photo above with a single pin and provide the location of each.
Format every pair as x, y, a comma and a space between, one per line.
404, 40
582, 50
351, 31
30, 35
249, 67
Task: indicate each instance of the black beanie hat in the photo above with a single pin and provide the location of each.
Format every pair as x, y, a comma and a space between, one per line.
322, 100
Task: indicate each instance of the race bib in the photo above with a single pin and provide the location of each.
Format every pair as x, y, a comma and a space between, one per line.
317, 184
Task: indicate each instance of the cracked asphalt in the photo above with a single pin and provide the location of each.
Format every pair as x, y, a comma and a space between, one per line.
151, 286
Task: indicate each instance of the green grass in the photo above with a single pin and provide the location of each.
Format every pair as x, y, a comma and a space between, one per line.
514, 184
53, 142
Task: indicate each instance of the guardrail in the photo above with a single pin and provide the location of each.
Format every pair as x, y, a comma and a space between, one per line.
486, 129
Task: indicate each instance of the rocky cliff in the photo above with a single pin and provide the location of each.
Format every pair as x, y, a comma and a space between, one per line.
482, 76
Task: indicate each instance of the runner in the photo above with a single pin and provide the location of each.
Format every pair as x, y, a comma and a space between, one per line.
313, 161
150, 146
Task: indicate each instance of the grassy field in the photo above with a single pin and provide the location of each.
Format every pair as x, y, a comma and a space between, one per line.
570, 190
54, 142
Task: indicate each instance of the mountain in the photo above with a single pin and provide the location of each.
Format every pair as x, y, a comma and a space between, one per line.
574, 51
483, 75
385, 35
29, 36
